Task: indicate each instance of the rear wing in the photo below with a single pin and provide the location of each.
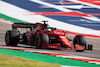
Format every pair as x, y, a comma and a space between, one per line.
29, 25
22, 25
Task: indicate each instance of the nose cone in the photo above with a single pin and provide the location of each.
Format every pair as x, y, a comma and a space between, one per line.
66, 41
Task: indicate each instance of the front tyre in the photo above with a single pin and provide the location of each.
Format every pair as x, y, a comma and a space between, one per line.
81, 42
12, 37
41, 38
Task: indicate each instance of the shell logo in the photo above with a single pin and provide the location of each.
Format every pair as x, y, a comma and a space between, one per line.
65, 40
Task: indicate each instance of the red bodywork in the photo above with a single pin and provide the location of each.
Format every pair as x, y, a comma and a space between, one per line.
58, 38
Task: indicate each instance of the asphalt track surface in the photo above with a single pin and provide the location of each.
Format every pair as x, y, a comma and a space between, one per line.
95, 53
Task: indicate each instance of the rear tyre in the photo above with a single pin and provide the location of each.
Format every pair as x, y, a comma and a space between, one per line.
32, 40
41, 38
12, 37
80, 40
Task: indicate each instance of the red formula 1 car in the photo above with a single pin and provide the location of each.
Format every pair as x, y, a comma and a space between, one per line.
42, 36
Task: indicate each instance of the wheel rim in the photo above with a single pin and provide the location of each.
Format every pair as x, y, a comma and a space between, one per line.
38, 41
7, 38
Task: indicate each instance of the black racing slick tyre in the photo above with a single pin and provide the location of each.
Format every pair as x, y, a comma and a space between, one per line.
80, 40
41, 38
12, 37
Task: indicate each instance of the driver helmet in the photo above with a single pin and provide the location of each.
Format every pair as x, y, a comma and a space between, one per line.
48, 30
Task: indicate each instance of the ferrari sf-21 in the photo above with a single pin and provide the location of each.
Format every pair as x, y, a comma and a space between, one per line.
41, 35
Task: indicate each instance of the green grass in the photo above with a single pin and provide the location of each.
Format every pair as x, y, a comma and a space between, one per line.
13, 61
